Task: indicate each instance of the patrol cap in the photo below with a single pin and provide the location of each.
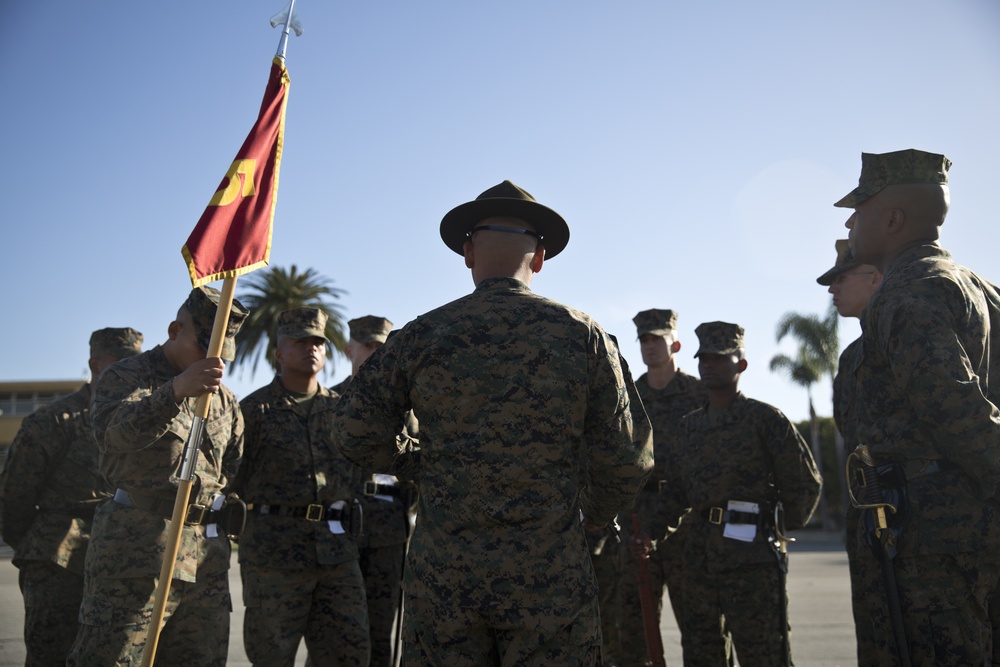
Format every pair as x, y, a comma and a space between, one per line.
115, 342
655, 321
305, 322
719, 338
880, 170
845, 262
505, 200
202, 303
369, 329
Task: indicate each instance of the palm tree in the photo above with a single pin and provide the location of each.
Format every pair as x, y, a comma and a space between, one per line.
273, 290
818, 354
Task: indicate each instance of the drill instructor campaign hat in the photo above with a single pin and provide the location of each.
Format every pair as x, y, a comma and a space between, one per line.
505, 200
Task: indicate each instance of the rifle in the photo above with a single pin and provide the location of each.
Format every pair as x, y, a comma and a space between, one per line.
779, 541
640, 547
881, 536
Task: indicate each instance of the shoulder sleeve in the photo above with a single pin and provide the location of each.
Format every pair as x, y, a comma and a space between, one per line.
28, 460
796, 478
129, 416
617, 433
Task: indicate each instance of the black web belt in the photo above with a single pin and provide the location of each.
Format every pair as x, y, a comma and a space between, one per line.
718, 516
311, 512
196, 515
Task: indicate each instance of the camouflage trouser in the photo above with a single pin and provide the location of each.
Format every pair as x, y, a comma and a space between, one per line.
52, 596
437, 632
324, 604
746, 602
115, 615
382, 568
863, 632
606, 570
945, 607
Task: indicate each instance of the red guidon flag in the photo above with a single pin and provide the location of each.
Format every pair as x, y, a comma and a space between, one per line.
233, 236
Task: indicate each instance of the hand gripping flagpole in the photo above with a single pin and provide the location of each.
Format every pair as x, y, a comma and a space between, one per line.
185, 479
193, 253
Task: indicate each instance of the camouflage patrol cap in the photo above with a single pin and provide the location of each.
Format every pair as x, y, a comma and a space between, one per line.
880, 170
369, 329
655, 321
505, 200
306, 322
202, 303
845, 262
115, 342
719, 338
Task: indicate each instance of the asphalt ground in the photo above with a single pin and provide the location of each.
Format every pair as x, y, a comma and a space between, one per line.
818, 592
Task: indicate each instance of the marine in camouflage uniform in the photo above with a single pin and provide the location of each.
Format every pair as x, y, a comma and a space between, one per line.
852, 283
298, 560
385, 502
743, 456
142, 410
49, 488
514, 393
929, 343
675, 394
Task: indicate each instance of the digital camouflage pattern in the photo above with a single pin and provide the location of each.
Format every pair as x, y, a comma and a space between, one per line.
928, 347
369, 329
382, 547
845, 411
513, 393
719, 338
658, 516
142, 432
748, 452
880, 170
116, 342
845, 262
300, 580
655, 321
49, 488
305, 322
202, 303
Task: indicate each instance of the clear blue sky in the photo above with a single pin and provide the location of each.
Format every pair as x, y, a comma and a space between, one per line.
695, 149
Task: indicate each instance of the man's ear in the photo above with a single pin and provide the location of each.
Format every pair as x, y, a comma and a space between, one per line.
538, 259
742, 365
675, 347
174, 329
469, 255
896, 221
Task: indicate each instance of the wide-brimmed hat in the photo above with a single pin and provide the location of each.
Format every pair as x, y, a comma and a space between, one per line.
505, 200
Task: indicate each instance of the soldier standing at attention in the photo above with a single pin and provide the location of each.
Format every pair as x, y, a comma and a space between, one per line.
667, 393
516, 394
298, 560
50, 485
384, 503
932, 433
852, 284
142, 409
743, 459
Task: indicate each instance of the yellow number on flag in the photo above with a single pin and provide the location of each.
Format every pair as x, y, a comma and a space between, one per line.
240, 174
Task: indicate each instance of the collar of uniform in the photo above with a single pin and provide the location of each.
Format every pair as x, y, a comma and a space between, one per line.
501, 283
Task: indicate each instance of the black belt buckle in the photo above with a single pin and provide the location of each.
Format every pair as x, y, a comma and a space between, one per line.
715, 515
314, 512
195, 515
371, 487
